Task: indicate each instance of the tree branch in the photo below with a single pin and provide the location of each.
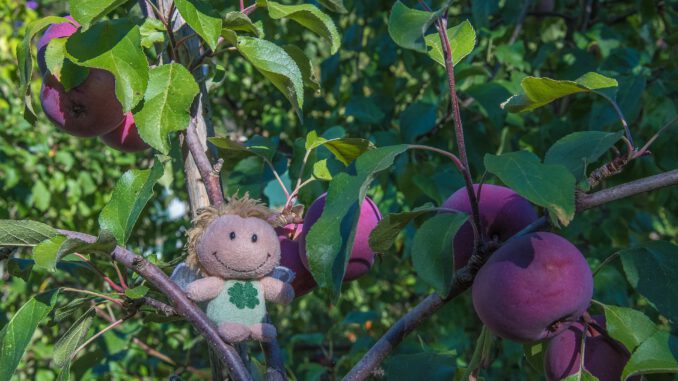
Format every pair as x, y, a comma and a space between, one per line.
647, 184
209, 176
464, 277
182, 304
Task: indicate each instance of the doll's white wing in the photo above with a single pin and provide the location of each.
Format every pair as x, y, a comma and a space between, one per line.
183, 275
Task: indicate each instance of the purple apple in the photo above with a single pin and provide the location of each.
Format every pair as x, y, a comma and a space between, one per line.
87, 110
503, 213
604, 357
126, 137
362, 256
303, 282
60, 30
533, 288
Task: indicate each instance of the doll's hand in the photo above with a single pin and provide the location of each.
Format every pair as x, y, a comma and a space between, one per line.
204, 289
277, 291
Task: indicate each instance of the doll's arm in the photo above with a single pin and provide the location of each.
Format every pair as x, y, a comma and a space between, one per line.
204, 289
277, 291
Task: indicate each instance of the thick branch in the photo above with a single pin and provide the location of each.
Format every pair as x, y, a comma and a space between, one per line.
182, 304
647, 184
464, 277
209, 176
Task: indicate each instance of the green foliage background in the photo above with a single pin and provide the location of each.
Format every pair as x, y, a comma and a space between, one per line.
375, 90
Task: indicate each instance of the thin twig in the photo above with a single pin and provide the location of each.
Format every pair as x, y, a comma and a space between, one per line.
108, 280
478, 236
647, 184
96, 335
113, 300
450, 155
183, 306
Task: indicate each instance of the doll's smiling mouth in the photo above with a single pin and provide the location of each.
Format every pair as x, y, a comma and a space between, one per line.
268, 255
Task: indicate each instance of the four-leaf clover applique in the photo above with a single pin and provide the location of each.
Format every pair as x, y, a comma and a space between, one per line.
243, 295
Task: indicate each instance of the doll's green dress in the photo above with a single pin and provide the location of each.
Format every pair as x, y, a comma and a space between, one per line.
240, 301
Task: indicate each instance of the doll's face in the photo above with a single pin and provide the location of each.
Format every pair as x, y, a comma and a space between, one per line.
233, 247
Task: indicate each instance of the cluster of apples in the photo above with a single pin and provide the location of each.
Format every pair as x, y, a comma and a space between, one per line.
89, 109
293, 245
535, 287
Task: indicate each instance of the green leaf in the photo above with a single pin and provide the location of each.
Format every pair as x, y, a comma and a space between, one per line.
407, 26
657, 354
330, 240
202, 18
364, 109
384, 234
114, 46
23, 54
420, 366
581, 375
16, 335
255, 146
652, 269
40, 195
321, 171
137, 292
539, 92
334, 5
65, 347
628, 326
130, 196
167, 102
87, 11
24, 232
481, 353
305, 66
432, 251
46, 252
578, 149
344, 149
550, 186
238, 21
275, 64
462, 39
417, 119
310, 17
69, 74
152, 31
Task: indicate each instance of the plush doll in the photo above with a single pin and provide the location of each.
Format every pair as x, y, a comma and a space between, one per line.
234, 248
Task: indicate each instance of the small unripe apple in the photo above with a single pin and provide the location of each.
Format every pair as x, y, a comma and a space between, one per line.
303, 282
533, 288
362, 256
87, 110
503, 213
126, 137
604, 357
59, 30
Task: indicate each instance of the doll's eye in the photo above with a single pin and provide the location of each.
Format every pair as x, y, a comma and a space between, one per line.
232, 235
254, 238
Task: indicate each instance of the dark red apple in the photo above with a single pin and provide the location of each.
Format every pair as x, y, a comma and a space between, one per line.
604, 357
53, 31
533, 288
503, 213
362, 256
126, 137
89, 109
303, 282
